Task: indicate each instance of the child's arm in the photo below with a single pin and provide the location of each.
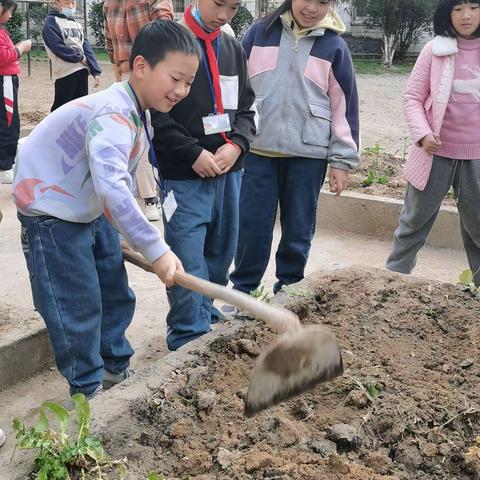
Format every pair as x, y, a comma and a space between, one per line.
92, 63
418, 89
172, 136
110, 142
53, 38
9, 54
343, 148
161, 10
243, 129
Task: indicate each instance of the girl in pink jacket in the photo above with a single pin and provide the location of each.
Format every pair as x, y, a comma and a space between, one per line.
442, 108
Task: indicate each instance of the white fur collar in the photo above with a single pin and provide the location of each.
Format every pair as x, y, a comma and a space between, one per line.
442, 46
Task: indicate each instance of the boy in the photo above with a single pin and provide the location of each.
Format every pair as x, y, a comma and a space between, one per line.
70, 52
72, 190
201, 159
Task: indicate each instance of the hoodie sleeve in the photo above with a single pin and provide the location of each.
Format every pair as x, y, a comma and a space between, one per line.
8, 53
110, 142
92, 63
53, 38
343, 149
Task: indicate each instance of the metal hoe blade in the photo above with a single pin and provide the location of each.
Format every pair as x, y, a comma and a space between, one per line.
296, 362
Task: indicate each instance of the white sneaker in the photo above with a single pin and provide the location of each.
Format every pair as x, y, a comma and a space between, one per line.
151, 211
3, 437
6, 176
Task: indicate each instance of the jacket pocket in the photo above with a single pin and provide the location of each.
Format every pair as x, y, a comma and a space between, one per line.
317, 125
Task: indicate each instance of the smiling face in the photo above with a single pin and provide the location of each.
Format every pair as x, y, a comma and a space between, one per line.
307, 13
466, 19
216, 13
168, 82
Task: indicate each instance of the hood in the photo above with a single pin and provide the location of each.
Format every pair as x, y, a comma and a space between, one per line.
331, 21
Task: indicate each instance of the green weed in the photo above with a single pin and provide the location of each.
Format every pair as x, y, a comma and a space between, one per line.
467, 284
62, 453
261, 294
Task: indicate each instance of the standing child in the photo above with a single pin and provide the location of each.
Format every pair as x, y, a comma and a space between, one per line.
123, 20
70, 52
442, 108
9, 70
205, 138
306, 98
73, 191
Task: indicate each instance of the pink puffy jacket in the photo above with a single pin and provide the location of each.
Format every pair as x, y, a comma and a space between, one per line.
425, 102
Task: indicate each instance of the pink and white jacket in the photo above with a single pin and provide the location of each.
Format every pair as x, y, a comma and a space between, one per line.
425, 102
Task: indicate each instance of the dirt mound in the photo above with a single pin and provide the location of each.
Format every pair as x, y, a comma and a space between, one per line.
407, 406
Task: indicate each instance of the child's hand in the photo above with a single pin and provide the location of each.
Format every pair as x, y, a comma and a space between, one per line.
166, 266
226, 156
97, 82
431, 143
205, 165
24, 46
338, 180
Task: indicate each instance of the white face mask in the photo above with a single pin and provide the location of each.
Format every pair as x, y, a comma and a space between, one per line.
69, 12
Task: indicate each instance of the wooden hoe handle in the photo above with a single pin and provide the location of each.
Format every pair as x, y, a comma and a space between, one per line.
278, 318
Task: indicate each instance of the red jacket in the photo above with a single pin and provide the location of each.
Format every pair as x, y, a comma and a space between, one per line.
9, 64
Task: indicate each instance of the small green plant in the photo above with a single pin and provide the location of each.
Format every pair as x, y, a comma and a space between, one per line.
155, 476
261, 294
373, 177
467, 284
61, 453
375, 150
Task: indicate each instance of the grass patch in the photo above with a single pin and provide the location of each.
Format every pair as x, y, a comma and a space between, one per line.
40, 53
375, 66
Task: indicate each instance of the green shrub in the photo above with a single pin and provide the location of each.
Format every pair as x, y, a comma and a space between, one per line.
95, 22
14, 27
37, 13
241, 21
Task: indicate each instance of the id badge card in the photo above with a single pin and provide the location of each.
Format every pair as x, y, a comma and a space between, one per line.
169, 205
217, 123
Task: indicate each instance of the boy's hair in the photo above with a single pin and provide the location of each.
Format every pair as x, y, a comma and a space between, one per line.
160, 37
8, 5
442, 18
272, 17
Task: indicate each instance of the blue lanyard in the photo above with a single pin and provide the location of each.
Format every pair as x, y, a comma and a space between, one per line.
209, 73
151, 151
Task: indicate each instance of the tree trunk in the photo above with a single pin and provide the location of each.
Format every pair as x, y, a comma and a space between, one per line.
388, 49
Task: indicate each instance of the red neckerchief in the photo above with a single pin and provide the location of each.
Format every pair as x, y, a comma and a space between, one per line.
208, 38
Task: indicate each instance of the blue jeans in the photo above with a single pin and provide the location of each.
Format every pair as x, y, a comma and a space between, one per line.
295, 184
203, 233
80, 288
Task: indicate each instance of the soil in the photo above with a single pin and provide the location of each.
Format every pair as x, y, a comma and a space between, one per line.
409, 394
385, 171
